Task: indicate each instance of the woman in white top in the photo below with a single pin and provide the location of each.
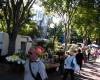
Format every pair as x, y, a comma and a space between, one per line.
69, 64
37, 66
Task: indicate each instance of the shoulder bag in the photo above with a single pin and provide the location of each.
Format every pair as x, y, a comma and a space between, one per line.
38, 77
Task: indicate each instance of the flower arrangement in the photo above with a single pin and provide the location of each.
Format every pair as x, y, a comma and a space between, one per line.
16, 57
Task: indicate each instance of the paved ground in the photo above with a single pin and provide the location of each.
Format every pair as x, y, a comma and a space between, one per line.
90, 71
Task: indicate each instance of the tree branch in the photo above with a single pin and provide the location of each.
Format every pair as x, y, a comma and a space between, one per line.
26, 9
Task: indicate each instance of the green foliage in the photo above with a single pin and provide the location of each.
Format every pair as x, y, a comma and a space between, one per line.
86, 20
2, 22
29, 26
16, 14
50, 44
84, 17
62, 8
21, 55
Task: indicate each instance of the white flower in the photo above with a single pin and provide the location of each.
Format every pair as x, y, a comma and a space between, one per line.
15, 58
18, 62
23, 61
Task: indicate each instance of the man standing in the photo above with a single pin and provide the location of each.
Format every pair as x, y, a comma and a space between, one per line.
79, 58
34, 65
69, 65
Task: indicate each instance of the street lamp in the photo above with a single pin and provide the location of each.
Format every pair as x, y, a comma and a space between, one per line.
66, 31
56, 20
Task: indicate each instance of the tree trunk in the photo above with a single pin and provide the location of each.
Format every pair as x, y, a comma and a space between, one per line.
54, 43
54, 38
65, 38
12, 42
68, 34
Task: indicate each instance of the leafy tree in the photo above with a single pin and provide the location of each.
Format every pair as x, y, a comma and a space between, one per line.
55, 34
2, 21
86, 19
16, 14
62, 8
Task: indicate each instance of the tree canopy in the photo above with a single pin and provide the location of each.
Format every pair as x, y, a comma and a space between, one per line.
86, 19
65, 9
16, 13
83, 15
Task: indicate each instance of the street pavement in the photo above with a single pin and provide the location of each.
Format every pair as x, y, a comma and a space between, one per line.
90, 71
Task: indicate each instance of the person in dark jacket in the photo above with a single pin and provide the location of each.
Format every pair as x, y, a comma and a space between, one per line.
79, 58
61, 61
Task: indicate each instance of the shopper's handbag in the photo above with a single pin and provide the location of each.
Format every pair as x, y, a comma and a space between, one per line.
38, 77
77, 68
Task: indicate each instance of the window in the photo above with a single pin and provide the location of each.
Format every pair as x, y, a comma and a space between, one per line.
23, 46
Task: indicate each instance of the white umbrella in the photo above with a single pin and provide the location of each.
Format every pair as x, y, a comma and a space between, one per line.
42, 39
93, 46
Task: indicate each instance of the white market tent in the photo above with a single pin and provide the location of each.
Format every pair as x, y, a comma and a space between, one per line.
93, 46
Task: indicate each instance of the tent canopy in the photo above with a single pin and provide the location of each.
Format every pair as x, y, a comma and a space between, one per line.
93, 46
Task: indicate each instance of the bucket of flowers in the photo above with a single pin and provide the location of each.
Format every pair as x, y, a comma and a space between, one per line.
16, 61
16, 58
